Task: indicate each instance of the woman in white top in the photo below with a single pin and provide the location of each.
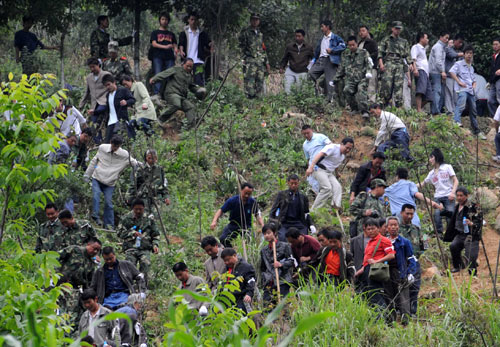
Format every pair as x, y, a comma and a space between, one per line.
445, 182
145, 113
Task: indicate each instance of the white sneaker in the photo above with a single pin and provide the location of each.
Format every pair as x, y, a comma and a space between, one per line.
481, 136
496, 158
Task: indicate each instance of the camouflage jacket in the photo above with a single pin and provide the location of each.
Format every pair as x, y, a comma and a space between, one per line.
178, 81
118, 68
412, 233
99, 40
354, 66
48, 236
366, 201
252, 46
78, 234
150, 235
394, 49
77, 267
151, 182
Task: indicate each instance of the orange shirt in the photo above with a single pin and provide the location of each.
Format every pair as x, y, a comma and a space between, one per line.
333, 263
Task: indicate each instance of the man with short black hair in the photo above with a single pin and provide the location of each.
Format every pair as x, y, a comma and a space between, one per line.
494, 78
423, 88
61, 155
366, 173
327, 56
335, 263
296, 59
368, 205
94, 312
99, 39
305, 248
241, 270
80, 149
291, 209
104, 170
214, 264
189, 282
453, 54
437, 71
464, 232
75, 231
114, 281
323, 168
50, 231
313, 144
241, 208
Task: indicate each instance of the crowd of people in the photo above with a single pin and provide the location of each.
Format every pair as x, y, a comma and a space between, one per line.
384, 237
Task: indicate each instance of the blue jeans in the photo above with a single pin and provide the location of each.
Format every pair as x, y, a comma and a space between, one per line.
449, 205
143, 124
115, 299
437, 93
466, 99
494, 97
497, 143
160, 65
399, 139
109, 214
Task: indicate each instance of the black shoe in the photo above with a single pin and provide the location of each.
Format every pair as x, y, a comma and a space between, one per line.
98, 221
455, 270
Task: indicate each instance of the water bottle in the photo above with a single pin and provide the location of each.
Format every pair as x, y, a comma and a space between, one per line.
138, 240
466, 226
94, 259
277, 212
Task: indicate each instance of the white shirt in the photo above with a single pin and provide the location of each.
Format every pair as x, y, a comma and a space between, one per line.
325, 43
113, 118
419, 55
315, 145
442, 180
389, 123
497, 117
92, 319
193, 45
333, 157
72, 122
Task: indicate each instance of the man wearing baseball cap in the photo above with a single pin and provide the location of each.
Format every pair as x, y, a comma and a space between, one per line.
117, 66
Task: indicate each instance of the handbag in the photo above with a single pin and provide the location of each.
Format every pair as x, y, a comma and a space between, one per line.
379, 272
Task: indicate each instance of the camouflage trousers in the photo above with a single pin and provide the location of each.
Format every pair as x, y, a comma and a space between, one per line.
70, 304
356, 95
176, 103
141, 257
391, 83
254, 79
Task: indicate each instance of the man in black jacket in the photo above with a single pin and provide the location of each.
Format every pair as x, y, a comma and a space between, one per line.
494, 78
195, 44
366, 42
114, 281
291, 209
367, 173
357, 248
334, 262
118, 100
464, 231
245, 274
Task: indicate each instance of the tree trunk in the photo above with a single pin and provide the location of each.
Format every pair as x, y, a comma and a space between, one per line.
137, 27
61, 57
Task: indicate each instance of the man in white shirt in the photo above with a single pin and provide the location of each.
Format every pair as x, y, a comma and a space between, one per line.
314, 142
392, 133
322, 168
104, 169
423, 89
103, 331
437, 71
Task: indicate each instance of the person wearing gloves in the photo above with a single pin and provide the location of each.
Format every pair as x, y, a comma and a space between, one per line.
114, 281
192, 283
409, 271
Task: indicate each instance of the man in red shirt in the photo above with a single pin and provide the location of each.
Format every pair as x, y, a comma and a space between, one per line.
384, 252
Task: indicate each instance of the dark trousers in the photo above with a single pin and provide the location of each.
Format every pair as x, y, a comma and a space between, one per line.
229, 233
324, 66
414, 289
115, 128
497, 143
460, 242
397, 295
286, 225
270, 292
199, 74
143, 124
160, 65
399, 139
96, 119
375, 291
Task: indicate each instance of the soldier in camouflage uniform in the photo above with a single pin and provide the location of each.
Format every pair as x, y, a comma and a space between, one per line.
117, 66
49, 230
255, 58
410, 231
354, 66
140, 236
394, 56
367, 204
74, 233
99, 39
179, 82
151, 182
78, 264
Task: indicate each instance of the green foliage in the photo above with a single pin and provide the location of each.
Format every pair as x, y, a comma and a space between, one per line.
25, 139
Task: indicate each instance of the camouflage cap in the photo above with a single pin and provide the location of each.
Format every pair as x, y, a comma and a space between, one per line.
113, 46
377, 182
255, 15
397, 24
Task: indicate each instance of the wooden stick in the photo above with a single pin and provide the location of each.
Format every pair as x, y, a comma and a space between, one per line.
340, 221
276, 272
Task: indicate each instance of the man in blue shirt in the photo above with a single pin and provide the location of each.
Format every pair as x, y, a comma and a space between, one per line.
26, 43
405, 192
463, 74
240, 207
408, 284
313, 144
